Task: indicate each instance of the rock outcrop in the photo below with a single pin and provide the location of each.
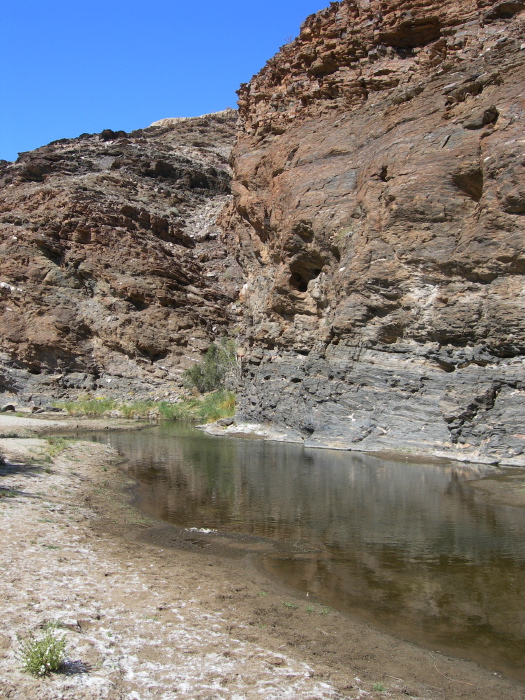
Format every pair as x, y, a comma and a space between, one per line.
112, 275
379, 215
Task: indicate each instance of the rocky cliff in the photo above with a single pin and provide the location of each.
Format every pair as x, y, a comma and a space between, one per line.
378, 214
112, 275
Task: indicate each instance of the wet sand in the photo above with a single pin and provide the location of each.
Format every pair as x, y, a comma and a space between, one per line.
153, 611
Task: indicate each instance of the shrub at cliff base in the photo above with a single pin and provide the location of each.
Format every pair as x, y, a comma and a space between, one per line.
204, 409
210, 407
211, 373
209, 377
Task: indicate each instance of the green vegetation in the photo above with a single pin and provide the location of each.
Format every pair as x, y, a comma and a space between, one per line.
378, 687
137, 409
209, 377
204, 409
45, 655
319, 609
7, 493
56, 445
92, 408
97, 407
291, 606
210, 374
207, 408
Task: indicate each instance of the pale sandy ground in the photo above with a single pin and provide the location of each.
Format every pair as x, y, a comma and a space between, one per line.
147, 622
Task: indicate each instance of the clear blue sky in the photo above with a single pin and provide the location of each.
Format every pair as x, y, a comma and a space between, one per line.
73, 66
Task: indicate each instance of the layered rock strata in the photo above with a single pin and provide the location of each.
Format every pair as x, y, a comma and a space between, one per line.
112, 275
378, 213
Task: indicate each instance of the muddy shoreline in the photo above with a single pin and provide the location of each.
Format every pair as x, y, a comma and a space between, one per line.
154, 611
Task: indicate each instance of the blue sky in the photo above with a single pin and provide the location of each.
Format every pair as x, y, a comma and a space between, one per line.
73, 66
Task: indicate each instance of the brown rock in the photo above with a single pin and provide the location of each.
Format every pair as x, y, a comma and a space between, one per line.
101, 238
377, 212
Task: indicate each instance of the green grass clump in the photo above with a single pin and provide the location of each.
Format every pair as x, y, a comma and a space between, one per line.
205, 409
137, 409
43, 656
7, 493
56, 445
92, 408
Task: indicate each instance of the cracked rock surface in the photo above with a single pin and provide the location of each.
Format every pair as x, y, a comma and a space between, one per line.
378, 215
110, 259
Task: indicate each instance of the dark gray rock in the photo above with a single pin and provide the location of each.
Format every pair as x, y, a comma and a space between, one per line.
407, 402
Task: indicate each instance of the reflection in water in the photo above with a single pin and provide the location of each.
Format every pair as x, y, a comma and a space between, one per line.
410, 547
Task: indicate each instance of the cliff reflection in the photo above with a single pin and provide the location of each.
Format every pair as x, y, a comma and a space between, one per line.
410, 547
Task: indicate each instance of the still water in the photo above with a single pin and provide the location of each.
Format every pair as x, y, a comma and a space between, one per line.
410, 547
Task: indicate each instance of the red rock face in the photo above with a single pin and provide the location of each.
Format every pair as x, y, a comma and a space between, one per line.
378, 213
110, 259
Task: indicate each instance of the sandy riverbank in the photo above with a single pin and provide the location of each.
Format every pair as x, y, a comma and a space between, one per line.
145, 621
51, 424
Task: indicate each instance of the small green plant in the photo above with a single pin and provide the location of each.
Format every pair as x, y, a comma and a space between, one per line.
45, 655
7, 493
291, 606
53, 625
56, 445
378, 687
319, 609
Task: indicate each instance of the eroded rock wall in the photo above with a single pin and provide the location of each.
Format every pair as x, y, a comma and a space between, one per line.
378, 213
113, 277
